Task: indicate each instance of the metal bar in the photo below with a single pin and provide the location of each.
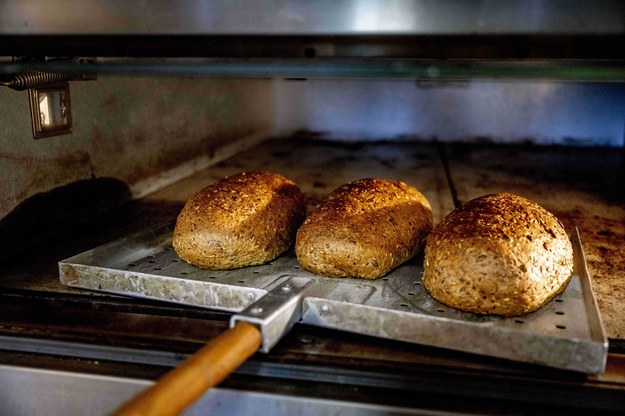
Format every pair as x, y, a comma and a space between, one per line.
276, 312
90, 351
342, 68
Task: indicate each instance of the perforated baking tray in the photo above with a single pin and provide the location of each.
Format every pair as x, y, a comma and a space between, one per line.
567, 333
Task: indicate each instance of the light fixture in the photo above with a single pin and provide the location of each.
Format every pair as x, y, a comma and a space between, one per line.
50, 110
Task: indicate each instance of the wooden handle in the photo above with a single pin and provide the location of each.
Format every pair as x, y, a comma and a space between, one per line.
177, 389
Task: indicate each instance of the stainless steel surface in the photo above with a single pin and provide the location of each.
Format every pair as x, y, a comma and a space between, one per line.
277, 311
539, 112
306, 17
29, 391
563, 334
90, 351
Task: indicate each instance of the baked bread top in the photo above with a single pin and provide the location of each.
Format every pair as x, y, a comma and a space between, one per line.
498, 254
242, 220
364, 229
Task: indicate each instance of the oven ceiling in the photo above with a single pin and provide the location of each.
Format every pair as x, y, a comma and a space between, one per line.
562, 40
426, 29
299, 17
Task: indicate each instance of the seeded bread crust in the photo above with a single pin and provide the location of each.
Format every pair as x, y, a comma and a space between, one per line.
498, 254
242, 220
364, 229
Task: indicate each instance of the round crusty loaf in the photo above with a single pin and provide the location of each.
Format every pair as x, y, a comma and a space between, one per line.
498, 254
242, 220
364, 229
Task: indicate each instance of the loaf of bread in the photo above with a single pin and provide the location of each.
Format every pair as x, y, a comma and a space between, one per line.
498, 254
364, 229
242, 220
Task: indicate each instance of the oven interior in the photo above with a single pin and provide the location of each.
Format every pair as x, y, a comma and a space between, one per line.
457, 101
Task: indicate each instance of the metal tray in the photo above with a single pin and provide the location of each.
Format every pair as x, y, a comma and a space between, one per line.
567, 333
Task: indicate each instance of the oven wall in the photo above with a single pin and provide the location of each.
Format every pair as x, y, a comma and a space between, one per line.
538, 112
130, 137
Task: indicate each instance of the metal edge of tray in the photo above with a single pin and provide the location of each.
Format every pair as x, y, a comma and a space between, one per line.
101, 269
599, 334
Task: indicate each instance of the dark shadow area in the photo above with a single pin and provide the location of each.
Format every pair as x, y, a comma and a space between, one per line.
595, 170
51, 214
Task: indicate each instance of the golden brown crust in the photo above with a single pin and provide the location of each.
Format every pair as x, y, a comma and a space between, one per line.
364, 229
498, 254
242, 220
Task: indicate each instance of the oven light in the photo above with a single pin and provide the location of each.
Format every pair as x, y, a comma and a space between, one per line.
50, 110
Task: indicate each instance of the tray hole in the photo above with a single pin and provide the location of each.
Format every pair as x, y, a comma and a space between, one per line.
176, 261
131, 265
151, 256
559, 313
157, 268
184, 272
255, 272
411, 293
241, 281
519, 321
559, 300
385, 279
404, 305
296, 267
151, 262
440, 310
212, 277
560, 326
